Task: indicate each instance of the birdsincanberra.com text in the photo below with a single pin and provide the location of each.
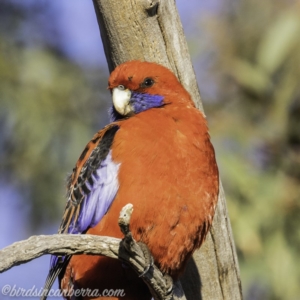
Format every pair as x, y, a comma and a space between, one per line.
15, 291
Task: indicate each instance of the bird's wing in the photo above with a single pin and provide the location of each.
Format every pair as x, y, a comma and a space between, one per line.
91, 189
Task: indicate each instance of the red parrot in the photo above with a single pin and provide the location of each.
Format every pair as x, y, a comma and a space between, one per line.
156, 154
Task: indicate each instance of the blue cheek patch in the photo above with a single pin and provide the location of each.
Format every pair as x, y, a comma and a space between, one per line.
142, 102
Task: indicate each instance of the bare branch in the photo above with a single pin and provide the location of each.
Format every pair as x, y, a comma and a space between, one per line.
68, 244
59, 244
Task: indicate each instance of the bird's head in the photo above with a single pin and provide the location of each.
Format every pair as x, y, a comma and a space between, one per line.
138, 86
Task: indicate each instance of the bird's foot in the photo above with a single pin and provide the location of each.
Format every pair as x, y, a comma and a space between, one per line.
133, 248
169, 284
149, 261
139, 257
140, 251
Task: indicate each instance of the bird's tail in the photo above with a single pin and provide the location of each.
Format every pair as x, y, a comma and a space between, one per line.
58, 264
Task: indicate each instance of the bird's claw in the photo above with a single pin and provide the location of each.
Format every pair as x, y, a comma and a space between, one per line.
147, 256
169, 283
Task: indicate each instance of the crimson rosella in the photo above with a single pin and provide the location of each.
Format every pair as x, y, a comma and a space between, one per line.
156, 154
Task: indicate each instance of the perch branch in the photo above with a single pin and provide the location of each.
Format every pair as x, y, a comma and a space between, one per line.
126, 250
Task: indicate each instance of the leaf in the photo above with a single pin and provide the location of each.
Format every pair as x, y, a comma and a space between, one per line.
278, 41
250, 76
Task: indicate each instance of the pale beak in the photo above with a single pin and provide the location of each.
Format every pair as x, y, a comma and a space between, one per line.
121, 100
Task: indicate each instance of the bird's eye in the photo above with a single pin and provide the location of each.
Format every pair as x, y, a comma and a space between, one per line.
121, 87
148, 82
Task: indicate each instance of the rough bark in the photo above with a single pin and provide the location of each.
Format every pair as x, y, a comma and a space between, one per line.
60, 244
151, 30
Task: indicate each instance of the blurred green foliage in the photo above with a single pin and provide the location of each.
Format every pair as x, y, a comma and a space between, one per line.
254, 118
49, 108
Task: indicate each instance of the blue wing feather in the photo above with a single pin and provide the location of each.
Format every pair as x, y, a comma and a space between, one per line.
102, 193
92, 189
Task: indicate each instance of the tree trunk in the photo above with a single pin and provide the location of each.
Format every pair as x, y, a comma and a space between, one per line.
151, 30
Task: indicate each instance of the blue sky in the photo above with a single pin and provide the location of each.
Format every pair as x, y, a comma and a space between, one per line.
80, 33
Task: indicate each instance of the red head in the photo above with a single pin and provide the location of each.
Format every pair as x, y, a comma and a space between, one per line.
137, 86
